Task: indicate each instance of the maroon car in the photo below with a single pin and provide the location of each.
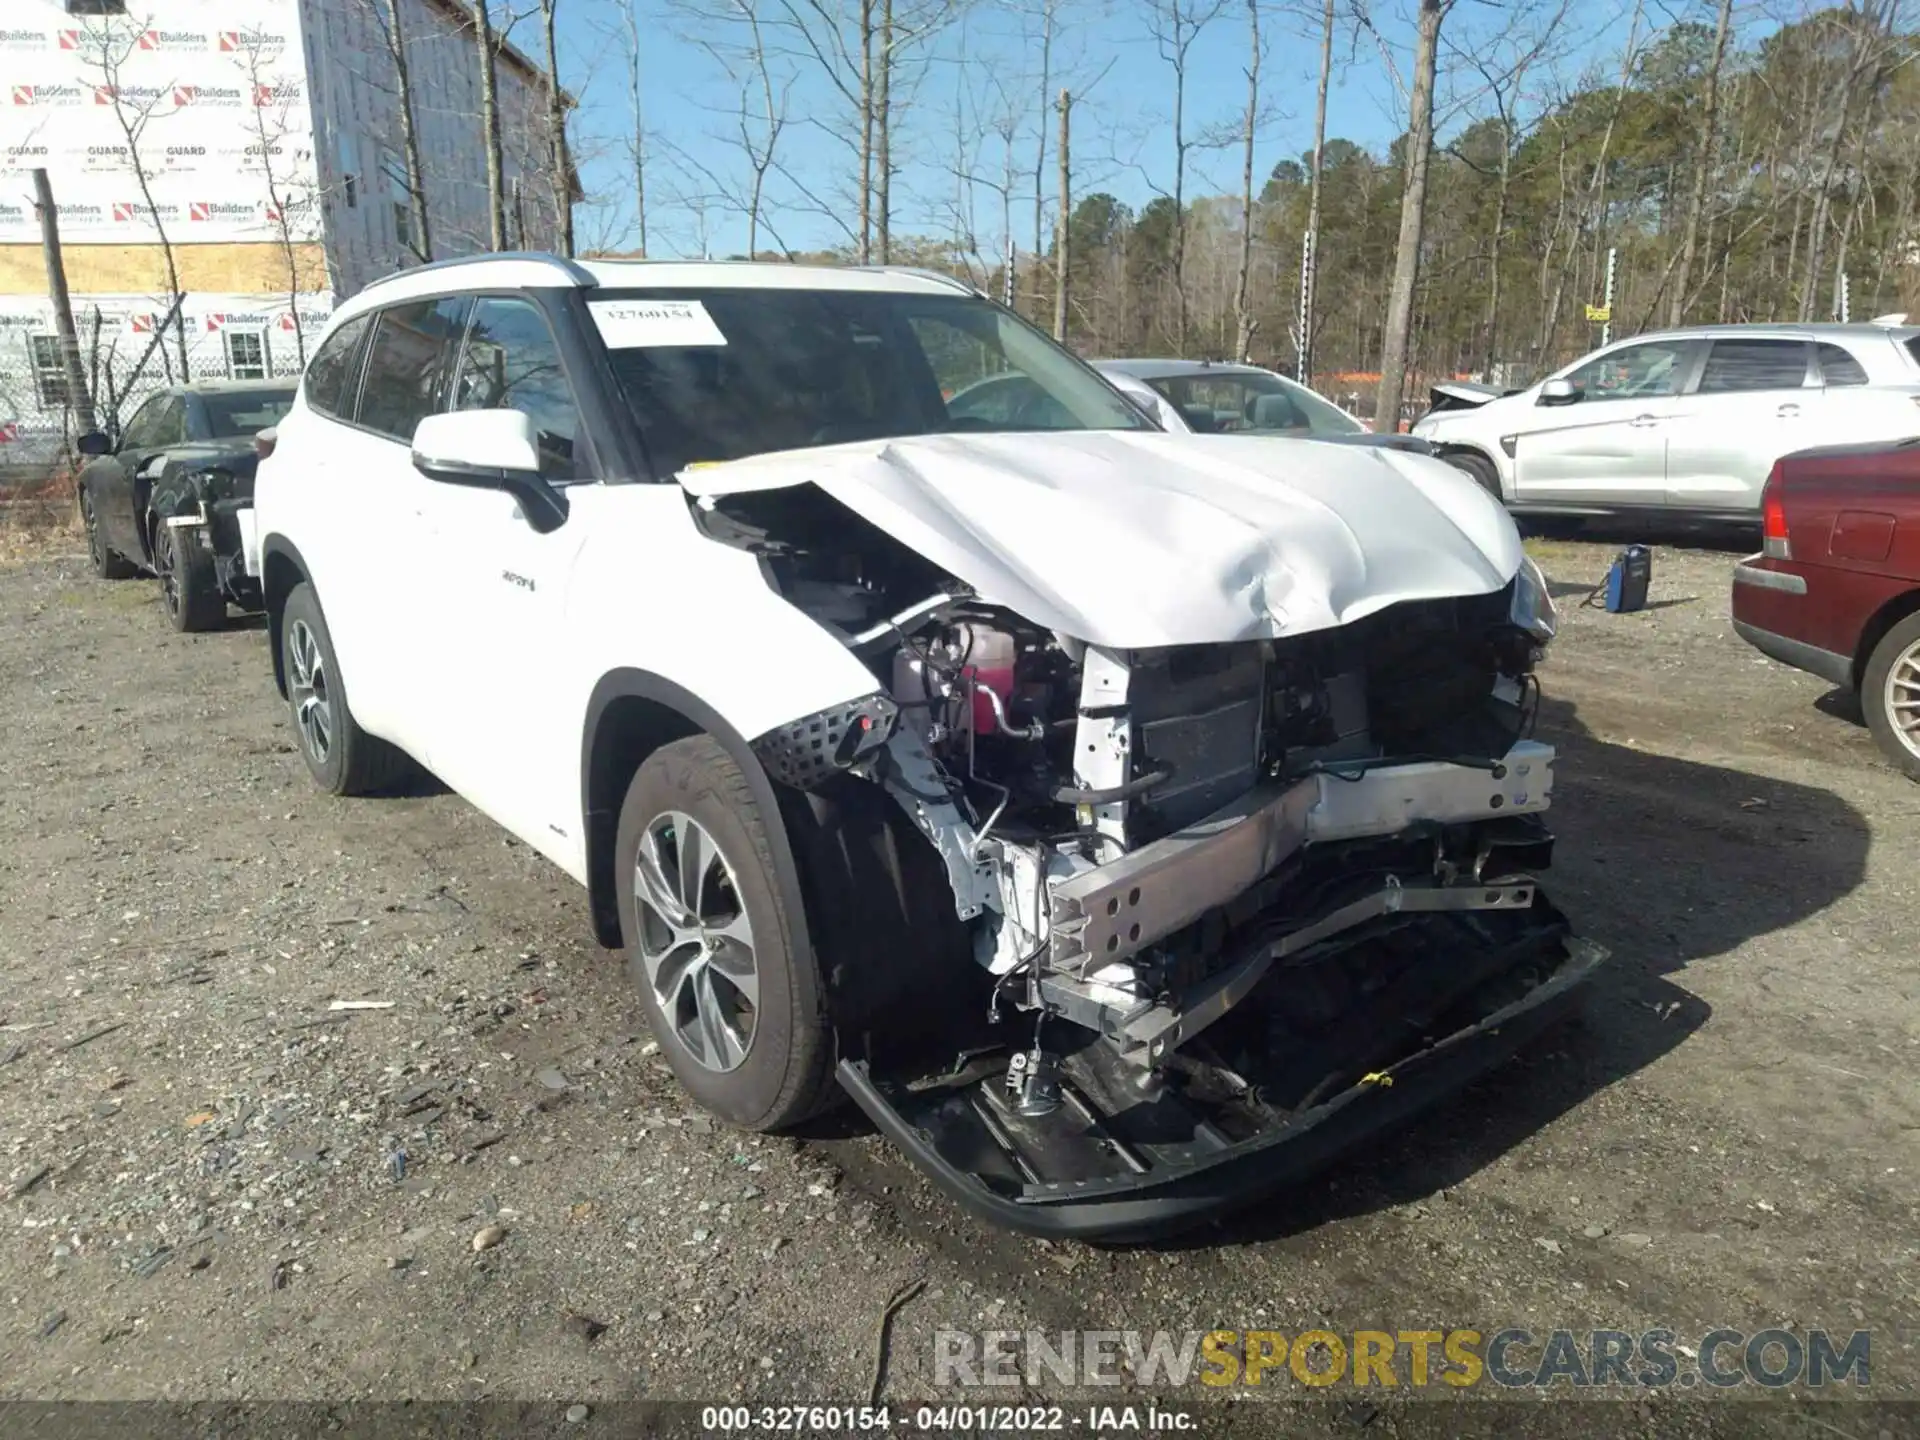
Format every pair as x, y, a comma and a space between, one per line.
1835, 589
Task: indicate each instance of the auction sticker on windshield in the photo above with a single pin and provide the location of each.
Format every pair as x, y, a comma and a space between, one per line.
644, 324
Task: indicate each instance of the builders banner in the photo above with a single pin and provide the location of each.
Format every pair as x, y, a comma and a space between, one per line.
199, 126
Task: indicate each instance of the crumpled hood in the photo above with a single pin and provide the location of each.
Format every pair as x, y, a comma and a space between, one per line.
1132, 540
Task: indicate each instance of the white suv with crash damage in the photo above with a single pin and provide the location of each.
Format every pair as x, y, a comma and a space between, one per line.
1125, 820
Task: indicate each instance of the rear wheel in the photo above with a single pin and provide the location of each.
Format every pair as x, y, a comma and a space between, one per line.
106, 564
732, 992
342, 758
1890, 695
1478, 466
189, 593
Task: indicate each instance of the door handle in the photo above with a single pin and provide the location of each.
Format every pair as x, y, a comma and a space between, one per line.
1788, 411
1642, 422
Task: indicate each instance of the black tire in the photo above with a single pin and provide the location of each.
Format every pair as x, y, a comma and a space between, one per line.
106, 563
783, 1072
350, 762
1897, 645
1479, 467
189, 593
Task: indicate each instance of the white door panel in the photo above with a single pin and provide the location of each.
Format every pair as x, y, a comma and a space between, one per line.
1752, 403
355, 514
1719, 456
1609, 446
502, 736
1604, 452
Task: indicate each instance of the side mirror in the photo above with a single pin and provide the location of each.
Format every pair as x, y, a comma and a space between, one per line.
93, 443
490, 450
1558, 392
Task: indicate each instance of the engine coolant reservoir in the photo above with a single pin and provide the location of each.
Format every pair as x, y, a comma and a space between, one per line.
989, 658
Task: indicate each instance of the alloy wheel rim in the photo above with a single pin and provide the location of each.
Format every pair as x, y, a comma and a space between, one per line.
163, 563
312, 700
93, 529
696, 942
1902, 698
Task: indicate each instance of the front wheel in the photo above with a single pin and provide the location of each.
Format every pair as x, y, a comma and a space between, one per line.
732, 993
189, 592
1890, 695
1479, 467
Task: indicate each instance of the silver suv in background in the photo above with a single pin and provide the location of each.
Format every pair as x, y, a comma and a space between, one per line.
1684, 422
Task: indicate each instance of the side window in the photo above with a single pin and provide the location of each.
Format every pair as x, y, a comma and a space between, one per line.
1739, 365
959, 360
1837, 367
512, 363
140, 430
412, 345
1652, 369
333, 375
170, 425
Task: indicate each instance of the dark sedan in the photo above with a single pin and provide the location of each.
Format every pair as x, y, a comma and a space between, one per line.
166, 496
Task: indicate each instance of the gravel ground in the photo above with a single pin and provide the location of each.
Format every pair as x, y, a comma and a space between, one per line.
213, 1187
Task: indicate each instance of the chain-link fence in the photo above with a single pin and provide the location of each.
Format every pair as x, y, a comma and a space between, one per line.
129, 349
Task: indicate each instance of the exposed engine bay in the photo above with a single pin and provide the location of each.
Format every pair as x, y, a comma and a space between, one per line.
1219, 889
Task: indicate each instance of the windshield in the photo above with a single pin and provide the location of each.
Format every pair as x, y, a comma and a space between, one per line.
1253, 402
722, 374
232, 414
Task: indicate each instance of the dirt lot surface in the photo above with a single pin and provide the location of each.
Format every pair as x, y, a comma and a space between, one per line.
214, 1187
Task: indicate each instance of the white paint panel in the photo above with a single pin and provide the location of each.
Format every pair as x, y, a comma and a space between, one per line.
1130, 539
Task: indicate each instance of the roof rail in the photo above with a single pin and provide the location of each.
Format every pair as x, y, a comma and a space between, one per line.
952, 282
575, 273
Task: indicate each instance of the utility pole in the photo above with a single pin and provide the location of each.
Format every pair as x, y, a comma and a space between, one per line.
1606, 302
1303, 326
1303, 336
78, 399
1013, 255
1066, 225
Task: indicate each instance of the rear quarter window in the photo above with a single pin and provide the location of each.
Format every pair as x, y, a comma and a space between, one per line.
1839, 367
333, 374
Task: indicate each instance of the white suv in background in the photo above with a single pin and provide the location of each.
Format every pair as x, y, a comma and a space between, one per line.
1683, 422
1113, 814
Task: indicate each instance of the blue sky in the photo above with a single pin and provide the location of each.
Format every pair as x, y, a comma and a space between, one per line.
1104, 49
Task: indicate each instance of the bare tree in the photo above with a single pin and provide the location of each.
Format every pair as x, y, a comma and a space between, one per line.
105, 49
288, 204
1503, 70
1872, 26
733, 33
1678, 295
1062, 261
637, 142
1310, 240
1175, 25
560, 164
1244, 321
1413, 210
883, 125
1048, 10
490, 124
386, 17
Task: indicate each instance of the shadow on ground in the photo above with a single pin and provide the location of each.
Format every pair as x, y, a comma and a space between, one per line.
1733, 539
